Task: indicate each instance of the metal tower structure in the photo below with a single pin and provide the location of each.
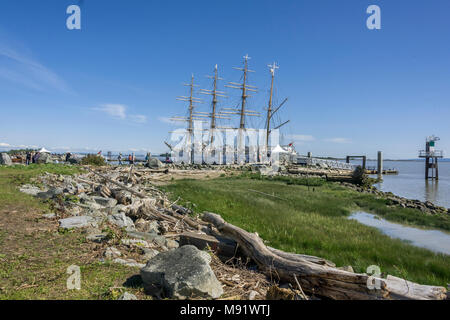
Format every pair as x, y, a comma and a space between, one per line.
431, 157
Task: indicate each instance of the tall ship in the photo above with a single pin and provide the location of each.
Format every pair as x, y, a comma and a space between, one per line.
205, 140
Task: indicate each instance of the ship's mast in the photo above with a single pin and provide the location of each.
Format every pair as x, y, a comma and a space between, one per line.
244, 87
215, 94
192, 115
270, 113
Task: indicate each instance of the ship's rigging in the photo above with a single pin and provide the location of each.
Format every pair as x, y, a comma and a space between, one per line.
215, 114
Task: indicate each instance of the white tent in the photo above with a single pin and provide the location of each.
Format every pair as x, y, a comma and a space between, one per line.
278, 149
43, 150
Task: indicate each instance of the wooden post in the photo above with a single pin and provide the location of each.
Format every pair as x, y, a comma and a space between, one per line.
380, 163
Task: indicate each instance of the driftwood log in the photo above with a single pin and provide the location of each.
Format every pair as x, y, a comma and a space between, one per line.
323, 280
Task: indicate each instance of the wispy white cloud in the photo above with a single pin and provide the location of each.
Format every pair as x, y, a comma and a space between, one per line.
338, 140
138, 118
301, 137
113, 110
21, 68
4, 144
119, 111
165, 120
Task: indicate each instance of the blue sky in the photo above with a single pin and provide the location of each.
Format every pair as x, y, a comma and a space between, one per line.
112, 85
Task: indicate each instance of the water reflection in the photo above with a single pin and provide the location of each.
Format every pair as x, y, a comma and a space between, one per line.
431, 190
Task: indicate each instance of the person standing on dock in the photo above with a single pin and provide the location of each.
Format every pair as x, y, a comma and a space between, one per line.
120, 159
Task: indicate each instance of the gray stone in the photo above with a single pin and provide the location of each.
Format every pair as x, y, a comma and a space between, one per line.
49, 215
105, 202
154, 163
90, 205
172, 244
51, 193
5, 159
97, 237
30, 189
149, 236
96, 214
149, 253
252, 295
122, 221
118, 209
182, 273
76, 222
112, 253
129, 263
44, 158
135, 242
127, 296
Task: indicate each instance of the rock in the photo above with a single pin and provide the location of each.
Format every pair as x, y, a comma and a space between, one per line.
5, 159
129, 263
49, 215
148, 226
154, 163
118, 209
105, 202
252, 295
122, 221
153, 237
30, 189
96, 214
149, 253
135, 242
127, 296
76, 222
172, 244
181, 273
90, 205
97, 237
44, 157
112, 253
51, 193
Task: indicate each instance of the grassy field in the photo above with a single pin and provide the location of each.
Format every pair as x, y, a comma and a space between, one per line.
312, 220
34, 256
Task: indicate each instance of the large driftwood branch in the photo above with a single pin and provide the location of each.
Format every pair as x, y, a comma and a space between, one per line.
322, 280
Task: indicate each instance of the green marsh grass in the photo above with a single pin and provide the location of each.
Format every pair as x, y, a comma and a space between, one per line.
314, 221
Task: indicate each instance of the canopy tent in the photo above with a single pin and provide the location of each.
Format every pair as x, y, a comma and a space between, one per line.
279, 149
43, 150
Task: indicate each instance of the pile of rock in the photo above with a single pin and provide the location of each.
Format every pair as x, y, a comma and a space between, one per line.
5, 159
426, 207
89, 203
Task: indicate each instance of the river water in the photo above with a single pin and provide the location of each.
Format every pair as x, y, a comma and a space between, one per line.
410, 182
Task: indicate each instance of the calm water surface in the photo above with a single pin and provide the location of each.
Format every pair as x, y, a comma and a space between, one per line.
410, 182
433, 240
